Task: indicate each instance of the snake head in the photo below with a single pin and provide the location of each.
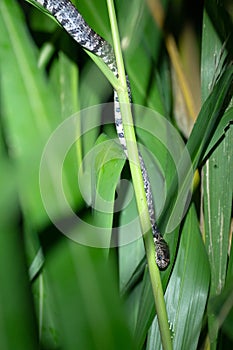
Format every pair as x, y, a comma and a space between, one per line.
162, 255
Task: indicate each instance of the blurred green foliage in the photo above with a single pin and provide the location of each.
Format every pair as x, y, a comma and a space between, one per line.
56, 293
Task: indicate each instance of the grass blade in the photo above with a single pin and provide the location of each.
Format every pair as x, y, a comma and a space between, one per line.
217, 172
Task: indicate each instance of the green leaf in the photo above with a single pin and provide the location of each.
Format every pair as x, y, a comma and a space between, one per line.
221, 19
141, 41
187, 290
229, 276
131, 306
84, 295
108, 161
91, 94
209, 117
146, 311
217, 172
27, 116
131, 254
221, 130
218, 190
221, 308
18, 324
65, 76
98, 20
213, 54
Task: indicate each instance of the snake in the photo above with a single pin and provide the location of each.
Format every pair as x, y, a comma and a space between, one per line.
68, 16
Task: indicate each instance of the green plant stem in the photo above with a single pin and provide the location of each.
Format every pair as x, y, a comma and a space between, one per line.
135, 169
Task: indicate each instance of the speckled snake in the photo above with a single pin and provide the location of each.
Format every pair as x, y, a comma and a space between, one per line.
72, 21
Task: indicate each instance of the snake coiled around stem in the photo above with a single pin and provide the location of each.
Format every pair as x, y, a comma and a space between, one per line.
72, 21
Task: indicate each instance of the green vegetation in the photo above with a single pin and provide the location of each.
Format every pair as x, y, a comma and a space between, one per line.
61, 293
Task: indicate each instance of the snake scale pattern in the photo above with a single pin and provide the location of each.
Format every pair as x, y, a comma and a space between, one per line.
72, 21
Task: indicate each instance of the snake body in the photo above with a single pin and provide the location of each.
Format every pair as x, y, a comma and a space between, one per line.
72, 21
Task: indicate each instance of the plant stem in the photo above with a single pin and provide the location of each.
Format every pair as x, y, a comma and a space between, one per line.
137, 179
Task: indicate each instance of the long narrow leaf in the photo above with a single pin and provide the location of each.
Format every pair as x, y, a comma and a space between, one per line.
18, 324
27, 118
187, 290
217, 172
